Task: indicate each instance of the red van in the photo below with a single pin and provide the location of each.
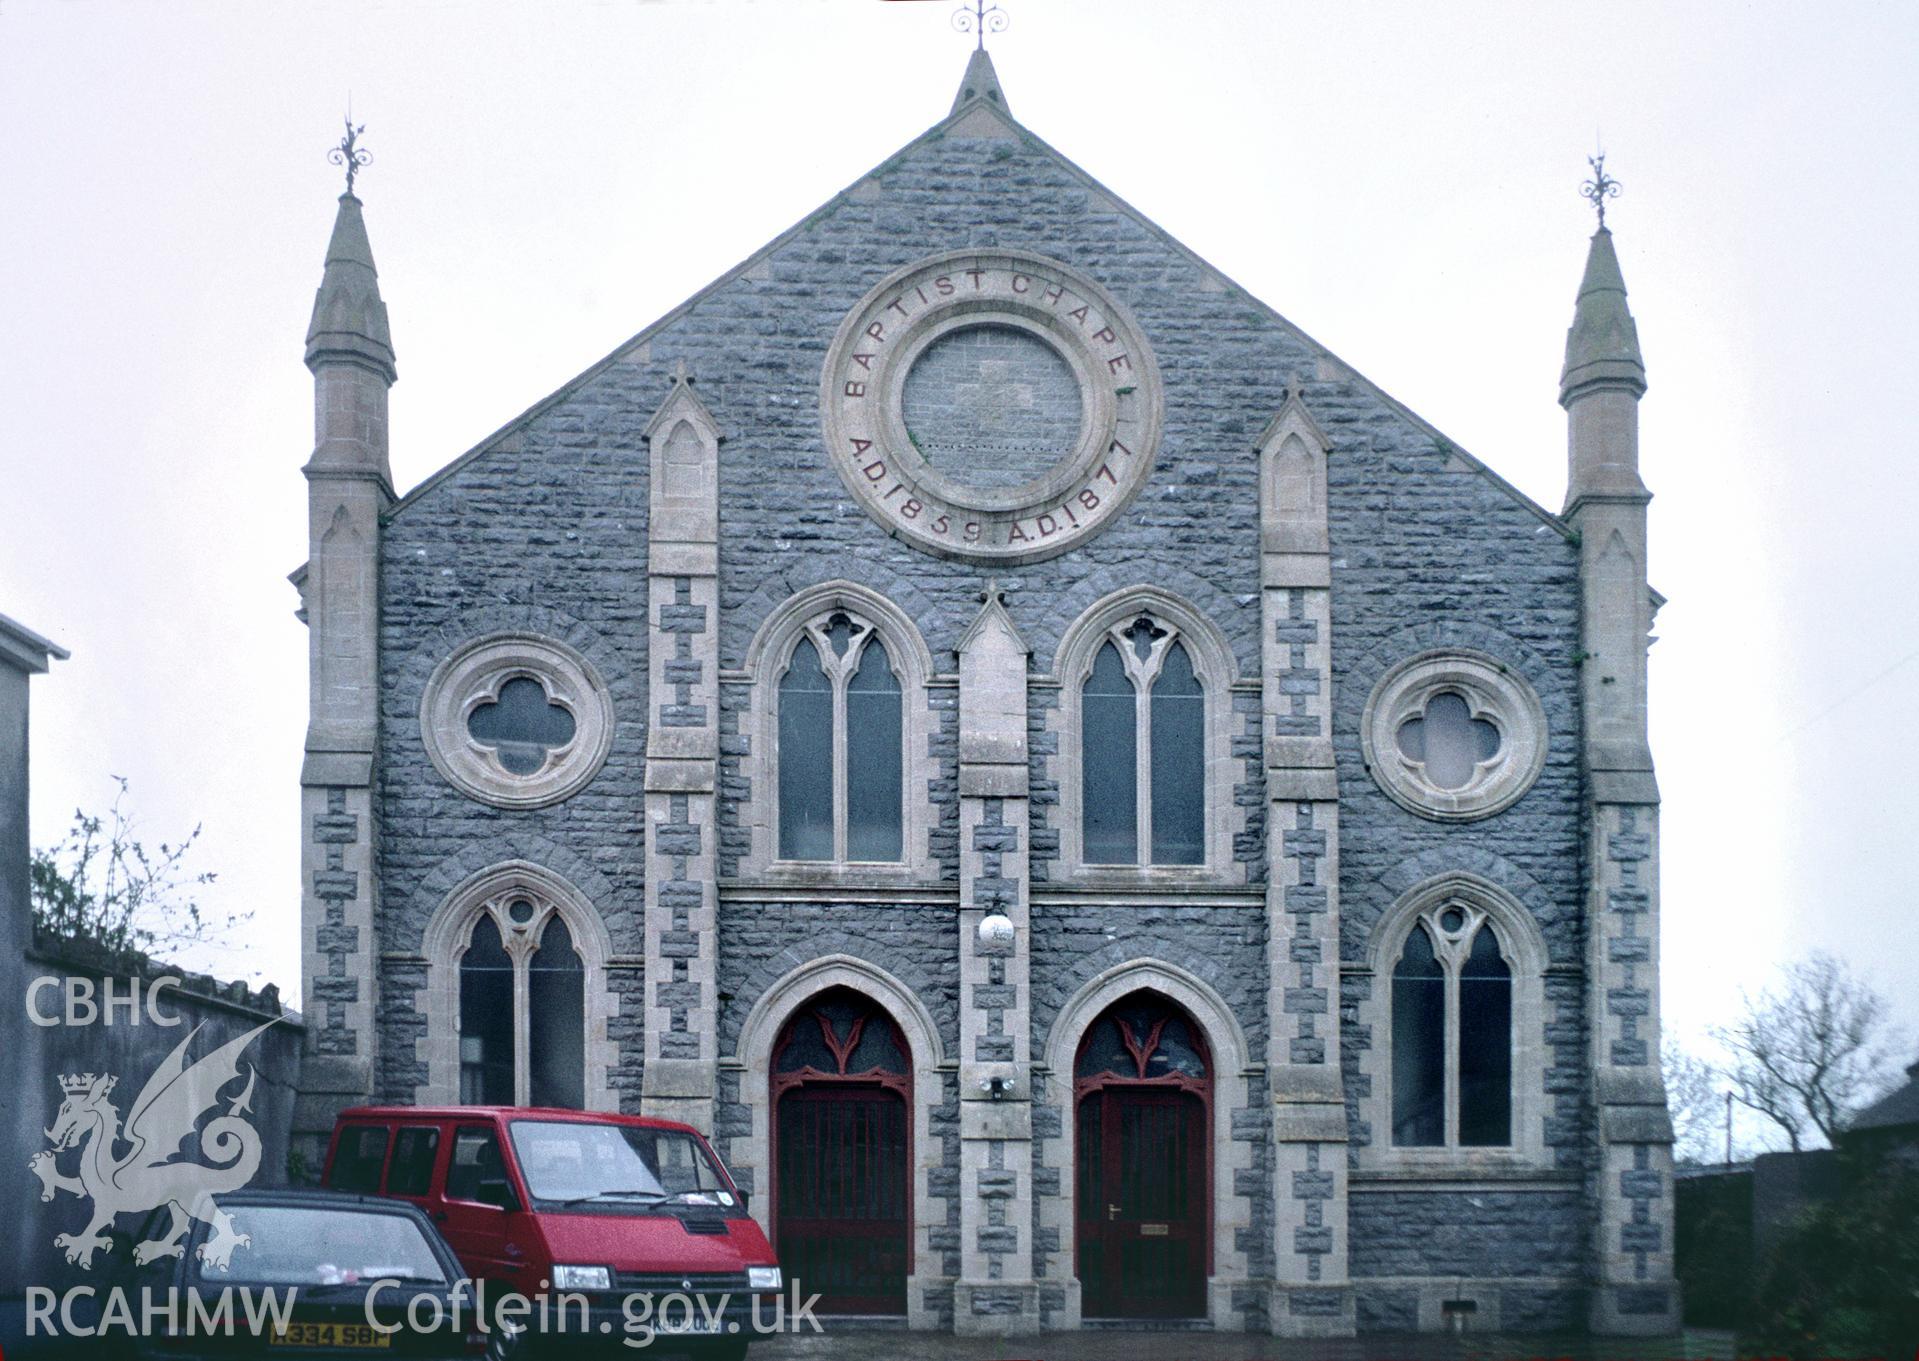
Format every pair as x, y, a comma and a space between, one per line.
635, 1215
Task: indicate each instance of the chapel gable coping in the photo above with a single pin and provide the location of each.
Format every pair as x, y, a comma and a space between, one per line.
985, 120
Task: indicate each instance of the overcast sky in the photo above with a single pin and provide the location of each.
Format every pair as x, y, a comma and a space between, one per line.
1398, 179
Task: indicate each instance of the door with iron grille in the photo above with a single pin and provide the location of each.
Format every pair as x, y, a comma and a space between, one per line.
842, 1190
1142, 1171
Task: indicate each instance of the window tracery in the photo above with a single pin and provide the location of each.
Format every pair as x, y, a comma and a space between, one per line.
1457, 1009
1452, 1034
1143, 729
841, 746
519, 994
1454, 735
522, 1006
516, 720
837, 768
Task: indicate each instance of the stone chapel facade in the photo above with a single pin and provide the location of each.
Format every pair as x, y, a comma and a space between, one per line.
1093, 807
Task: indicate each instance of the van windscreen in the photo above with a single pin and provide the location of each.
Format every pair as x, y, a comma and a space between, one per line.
574, 1162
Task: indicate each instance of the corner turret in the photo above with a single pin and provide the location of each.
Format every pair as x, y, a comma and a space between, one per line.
349, 489
1600, 388
1602, 346
349, 348
1602, 382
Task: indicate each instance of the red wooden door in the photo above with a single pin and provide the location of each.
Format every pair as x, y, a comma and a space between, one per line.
1142, 1173
842, 1178
842, 1155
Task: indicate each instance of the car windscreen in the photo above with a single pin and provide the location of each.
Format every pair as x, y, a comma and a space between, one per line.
316, 1245
574, 1161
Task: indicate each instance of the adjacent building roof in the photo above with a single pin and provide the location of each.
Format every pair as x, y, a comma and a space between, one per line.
25, 650
1899, 1107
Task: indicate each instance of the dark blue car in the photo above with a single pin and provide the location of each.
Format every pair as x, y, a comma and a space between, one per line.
310, 1274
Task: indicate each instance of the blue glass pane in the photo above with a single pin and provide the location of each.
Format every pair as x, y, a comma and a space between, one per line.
556, 1039
1419, 1040
1448, 740
1177, 1051
1179, 763
1104, 1051
521, 726
873, 759
486, 1019
804, 1046
1157, 1028
878, 1048
1109, 763
1484, 959
806, 759
1485, 1045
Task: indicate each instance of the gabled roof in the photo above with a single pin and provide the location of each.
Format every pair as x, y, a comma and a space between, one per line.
981, 111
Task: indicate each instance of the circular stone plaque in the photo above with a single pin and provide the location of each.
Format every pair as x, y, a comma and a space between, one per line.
992, 406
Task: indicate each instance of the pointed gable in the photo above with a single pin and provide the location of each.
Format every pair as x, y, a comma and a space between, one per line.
995, 171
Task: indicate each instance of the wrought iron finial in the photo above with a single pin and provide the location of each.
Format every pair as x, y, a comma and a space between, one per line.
353, 157
979, 19
1600, 187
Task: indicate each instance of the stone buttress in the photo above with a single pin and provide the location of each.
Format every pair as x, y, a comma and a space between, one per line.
996, 1292
682, 761
1312, 1295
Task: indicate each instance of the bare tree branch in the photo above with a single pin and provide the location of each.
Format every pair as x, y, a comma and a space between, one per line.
1812, 1051
1693, 1088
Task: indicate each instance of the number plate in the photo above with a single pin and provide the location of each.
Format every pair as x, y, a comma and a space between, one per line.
329, 1335
697, 1327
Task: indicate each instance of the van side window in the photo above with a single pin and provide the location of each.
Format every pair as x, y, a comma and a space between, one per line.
359, 1158
476, 1161
414, 1148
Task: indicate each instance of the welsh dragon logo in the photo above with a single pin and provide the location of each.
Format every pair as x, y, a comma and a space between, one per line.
150, 1172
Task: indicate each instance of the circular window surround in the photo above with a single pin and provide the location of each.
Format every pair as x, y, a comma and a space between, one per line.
862, 395
1494, 694
474, 675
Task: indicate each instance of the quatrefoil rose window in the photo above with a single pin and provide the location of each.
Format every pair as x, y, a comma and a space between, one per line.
517, 720
1454, 735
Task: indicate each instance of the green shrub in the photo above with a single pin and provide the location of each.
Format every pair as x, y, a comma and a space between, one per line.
1844, 1282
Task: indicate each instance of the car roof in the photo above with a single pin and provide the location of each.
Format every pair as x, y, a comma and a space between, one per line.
310, 1198
484, 1113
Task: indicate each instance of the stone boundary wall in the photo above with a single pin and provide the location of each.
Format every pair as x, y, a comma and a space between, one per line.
221, 1011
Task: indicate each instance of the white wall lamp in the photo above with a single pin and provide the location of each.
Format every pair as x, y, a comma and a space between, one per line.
996, 933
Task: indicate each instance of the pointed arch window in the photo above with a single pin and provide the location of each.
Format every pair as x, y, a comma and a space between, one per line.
522, 1022
1143, 749
841, 746
1452, 1034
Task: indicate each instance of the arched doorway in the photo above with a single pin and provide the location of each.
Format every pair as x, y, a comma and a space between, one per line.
1142, 1095
842, 1199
